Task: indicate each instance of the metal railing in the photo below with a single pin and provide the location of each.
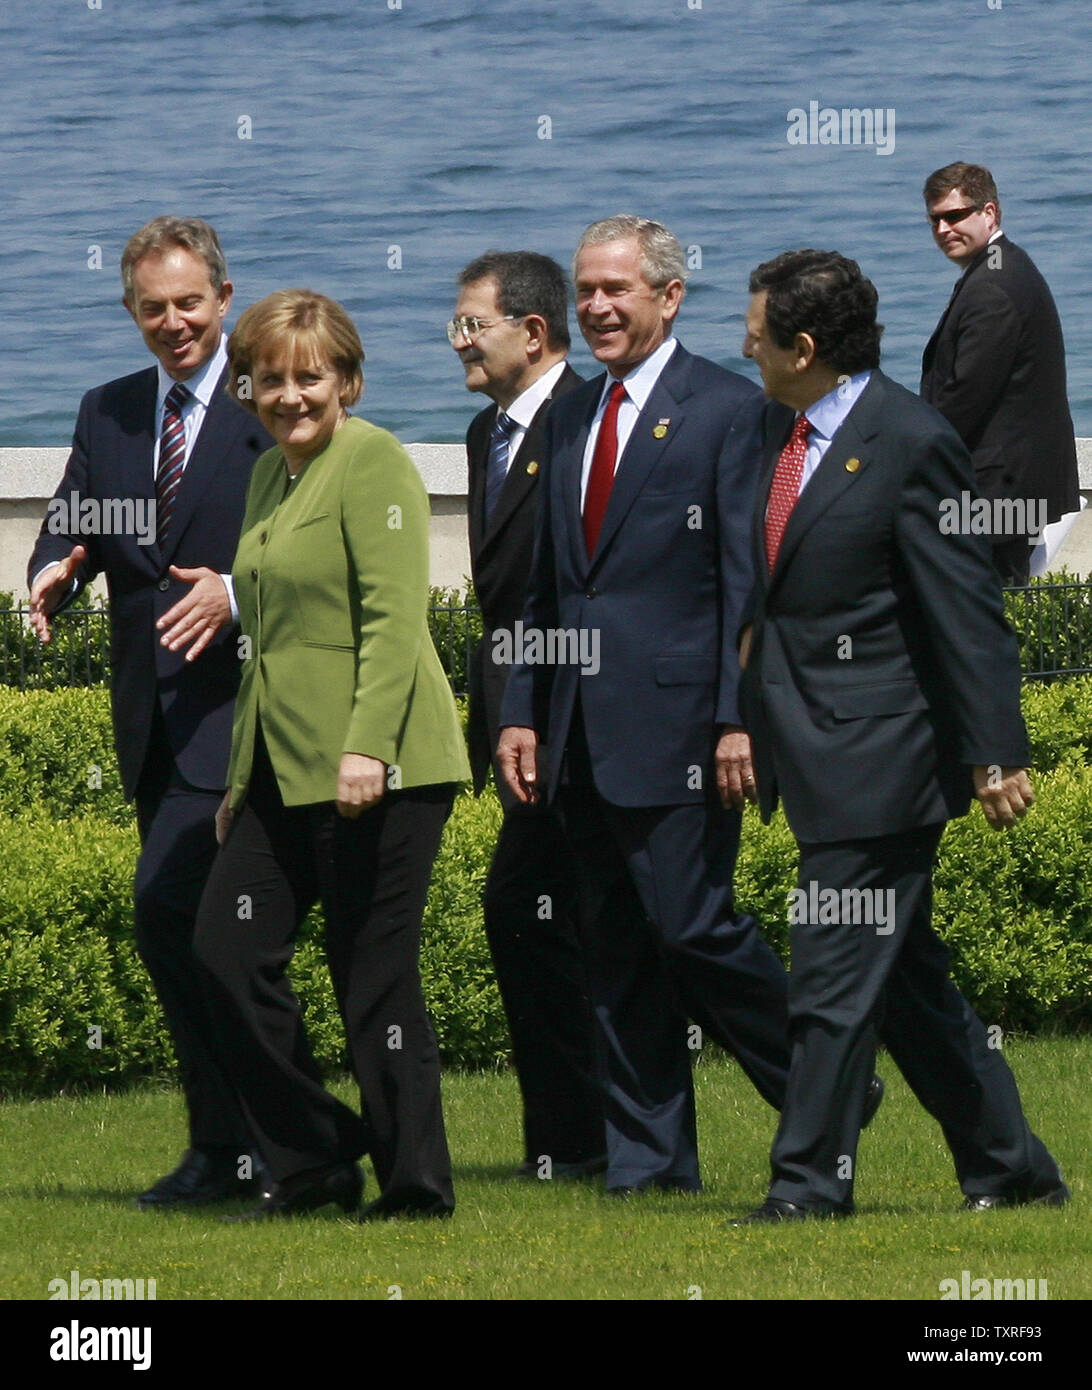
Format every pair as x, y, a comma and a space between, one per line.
1052, 620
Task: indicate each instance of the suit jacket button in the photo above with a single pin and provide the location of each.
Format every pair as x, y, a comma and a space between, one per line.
591, 593
163, 585
254, 574
262, 537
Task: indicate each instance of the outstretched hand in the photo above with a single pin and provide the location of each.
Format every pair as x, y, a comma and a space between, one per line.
51, 586
198, 617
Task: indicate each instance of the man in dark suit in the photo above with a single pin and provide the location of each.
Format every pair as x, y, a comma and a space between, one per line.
167, 444
995, 367
629, 676
882, 690
511, 333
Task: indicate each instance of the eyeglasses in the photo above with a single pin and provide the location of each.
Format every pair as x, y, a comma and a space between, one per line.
470, 326
952, 216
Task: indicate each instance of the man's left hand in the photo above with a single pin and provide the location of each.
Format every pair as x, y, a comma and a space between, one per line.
735, 771
196, 619
1005, 794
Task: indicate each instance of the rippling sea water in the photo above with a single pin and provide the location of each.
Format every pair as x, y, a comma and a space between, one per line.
420, 128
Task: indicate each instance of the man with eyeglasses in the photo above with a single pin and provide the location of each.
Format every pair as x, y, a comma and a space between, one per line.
995, 366
511, 334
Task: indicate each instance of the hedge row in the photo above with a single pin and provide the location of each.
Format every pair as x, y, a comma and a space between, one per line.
1016, 909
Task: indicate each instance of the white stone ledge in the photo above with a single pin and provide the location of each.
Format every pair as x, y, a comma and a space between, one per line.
35, 473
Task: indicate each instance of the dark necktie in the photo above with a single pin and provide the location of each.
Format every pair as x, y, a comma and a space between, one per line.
496, 468
601, 477
172, 457
785, 487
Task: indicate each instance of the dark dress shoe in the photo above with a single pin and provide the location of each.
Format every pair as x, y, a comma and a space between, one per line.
342, 1183
657, 1185
204, 1175
393, 1208
1044, 1196
873, 1096
583, 1168
776, 1209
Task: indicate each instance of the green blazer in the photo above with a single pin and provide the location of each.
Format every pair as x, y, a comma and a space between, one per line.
331, 581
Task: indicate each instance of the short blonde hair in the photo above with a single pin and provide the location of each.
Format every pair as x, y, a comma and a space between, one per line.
295, 319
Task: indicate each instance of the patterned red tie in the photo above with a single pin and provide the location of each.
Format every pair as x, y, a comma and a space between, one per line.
785, 487
172, 457
601, 477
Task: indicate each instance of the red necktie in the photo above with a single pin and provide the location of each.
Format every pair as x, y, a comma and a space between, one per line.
601, 477
785, 487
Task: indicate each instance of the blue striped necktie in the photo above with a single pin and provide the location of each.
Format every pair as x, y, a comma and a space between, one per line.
172, 457
496, 470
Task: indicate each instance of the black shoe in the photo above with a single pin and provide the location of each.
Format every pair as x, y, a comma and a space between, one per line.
342, 1183
656, 1185
393, 1208
204, 1175
583, 1168
1056, 1196
776, 1209
873, 1097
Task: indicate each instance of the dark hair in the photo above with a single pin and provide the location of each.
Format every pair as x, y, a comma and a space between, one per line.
825, 295
972, 180
527, 283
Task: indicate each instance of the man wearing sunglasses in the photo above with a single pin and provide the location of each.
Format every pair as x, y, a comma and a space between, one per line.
995, 366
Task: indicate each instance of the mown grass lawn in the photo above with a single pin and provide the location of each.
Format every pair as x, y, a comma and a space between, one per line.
70, 1166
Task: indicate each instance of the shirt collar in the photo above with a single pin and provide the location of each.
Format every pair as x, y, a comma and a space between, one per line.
526, 405
203, 382
828, 413
642, 378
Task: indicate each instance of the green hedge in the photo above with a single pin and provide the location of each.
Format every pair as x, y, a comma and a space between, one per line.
1016, 909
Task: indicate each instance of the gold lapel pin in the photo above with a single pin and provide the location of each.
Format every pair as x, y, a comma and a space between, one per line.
852, 465
660, 429
532, 468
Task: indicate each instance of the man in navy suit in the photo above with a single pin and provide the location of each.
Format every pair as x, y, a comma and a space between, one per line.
166, 443
882, 692
629, 677
512, 335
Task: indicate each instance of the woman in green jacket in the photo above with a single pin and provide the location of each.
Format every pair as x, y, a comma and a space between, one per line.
345, 757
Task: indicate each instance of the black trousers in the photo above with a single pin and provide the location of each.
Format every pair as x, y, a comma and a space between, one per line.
178, 846
856, 981
664, 944
529, 906
371, 875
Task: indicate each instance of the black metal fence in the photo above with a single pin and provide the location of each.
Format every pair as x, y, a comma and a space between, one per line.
1052, 620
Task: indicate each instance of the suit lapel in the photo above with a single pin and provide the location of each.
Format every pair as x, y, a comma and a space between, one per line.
519, 482
832, 478
569, 461
643, 450
222, 421
957, 290
478, 454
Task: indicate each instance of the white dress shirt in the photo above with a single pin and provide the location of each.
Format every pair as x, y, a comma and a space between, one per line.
638, 383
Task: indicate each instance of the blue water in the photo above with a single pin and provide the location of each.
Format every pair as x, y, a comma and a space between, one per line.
419, 128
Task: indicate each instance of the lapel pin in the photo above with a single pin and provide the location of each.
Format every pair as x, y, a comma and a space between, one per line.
660, 429
532, 468
852, 465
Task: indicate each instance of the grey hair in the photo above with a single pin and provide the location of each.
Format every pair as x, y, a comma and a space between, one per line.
662, 257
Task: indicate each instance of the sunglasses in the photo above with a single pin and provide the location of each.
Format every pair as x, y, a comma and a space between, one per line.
953, 216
